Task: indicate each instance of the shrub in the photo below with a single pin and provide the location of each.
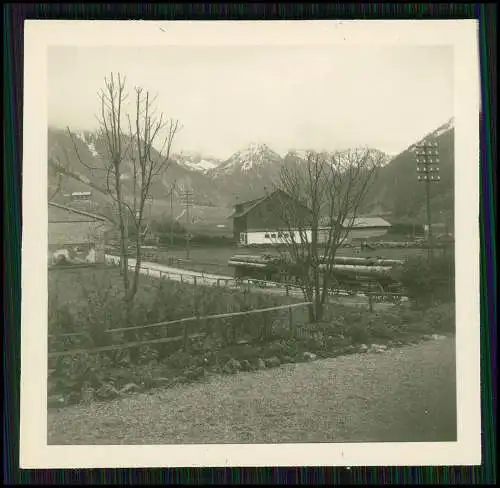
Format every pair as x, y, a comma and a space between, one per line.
440, 318
429, 283
73, 373
147, 355
358, 333
241, 352
61, 320
382, 330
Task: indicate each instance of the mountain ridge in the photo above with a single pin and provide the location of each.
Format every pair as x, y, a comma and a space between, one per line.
252, 171
397, 193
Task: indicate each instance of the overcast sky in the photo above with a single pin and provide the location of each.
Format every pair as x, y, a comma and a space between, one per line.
285, 96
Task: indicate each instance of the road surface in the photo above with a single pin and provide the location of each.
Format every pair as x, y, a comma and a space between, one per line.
157, 270
402, 395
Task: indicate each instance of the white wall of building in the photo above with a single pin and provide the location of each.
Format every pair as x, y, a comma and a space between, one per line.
275, 237
271, 237
365, 233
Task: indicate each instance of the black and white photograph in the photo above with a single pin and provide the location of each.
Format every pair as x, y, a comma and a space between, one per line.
250, 244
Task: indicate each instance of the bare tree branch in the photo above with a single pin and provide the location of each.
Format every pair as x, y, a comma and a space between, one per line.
131, 163
333, 187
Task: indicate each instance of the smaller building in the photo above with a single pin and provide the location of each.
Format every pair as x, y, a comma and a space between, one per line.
78, 196
76, 235
364, 228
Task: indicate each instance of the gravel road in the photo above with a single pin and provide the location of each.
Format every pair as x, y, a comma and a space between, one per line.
157, 270
405, 394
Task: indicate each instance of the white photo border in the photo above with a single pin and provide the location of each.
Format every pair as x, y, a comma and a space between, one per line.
41, 34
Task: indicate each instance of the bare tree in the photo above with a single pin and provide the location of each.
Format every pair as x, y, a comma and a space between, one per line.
332, 186
136, 153
146, 165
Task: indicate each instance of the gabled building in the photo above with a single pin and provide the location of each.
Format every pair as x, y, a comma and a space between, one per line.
258, 221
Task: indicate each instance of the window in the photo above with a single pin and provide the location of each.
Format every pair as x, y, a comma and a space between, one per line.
273, 236
266, 236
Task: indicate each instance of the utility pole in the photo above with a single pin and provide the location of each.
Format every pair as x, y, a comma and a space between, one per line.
427, 157
187, 202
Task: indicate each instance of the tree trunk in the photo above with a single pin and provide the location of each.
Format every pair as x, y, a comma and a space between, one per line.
128, 299
310, 310
316, 271
138, 263
123, 233
318, 308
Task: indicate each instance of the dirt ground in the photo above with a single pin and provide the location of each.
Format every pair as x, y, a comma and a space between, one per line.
402, 395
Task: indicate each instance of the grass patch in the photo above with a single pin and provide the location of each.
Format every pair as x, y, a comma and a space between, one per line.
90, 301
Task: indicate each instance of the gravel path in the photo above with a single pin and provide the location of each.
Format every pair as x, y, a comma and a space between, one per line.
405, 394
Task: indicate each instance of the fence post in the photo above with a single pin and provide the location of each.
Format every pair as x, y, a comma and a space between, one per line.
290, 317
265, 326
218, 282
234, 323
181, 278
194, 280
186, 336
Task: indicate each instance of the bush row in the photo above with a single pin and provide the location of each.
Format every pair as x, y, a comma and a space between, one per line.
345, 330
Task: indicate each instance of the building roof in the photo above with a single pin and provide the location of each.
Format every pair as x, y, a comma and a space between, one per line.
245, 207
363, 222
62, 213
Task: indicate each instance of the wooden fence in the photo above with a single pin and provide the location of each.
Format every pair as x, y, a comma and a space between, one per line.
185, 337
285, 289
207, 279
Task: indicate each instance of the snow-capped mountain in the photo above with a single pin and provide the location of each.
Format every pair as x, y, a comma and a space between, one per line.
442, 129
248, 173
82, 170
396, 189
195, 161
254, 157
298, 155
88, 138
